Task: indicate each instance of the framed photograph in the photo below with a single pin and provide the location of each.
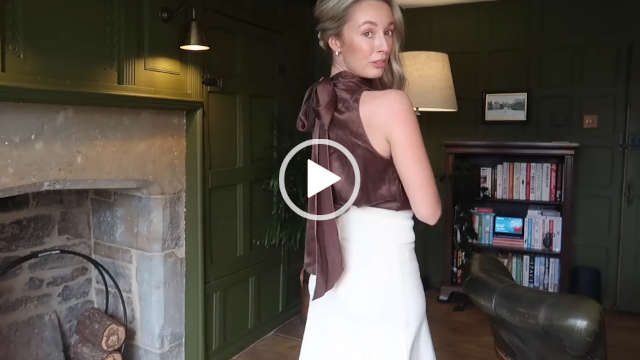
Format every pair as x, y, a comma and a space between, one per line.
505, 107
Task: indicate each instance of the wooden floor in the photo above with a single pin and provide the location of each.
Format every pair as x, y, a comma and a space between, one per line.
456, 335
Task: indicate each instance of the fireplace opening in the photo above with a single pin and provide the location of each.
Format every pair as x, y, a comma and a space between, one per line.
97, 333
105, 182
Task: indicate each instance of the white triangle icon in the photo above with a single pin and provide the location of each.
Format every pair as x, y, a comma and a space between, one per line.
319, 178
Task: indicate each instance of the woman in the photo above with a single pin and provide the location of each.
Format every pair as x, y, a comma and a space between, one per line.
368, 301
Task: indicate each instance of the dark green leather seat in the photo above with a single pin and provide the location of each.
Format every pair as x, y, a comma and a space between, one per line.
530, 324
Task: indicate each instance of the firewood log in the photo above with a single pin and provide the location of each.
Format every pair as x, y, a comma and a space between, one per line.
101, 329
84, 350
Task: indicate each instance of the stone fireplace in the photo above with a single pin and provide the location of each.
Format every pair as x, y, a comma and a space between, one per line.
106, 182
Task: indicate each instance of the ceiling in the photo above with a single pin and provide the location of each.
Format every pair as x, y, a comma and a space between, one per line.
427, 3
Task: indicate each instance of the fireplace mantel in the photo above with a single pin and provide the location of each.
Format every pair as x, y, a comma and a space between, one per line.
75, 184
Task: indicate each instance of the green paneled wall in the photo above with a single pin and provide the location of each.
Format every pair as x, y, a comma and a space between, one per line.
109, 47
263, 67
120, 53
571, 58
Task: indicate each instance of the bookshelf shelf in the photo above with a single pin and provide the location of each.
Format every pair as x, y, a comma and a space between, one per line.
518, 166
516, 250
511, 201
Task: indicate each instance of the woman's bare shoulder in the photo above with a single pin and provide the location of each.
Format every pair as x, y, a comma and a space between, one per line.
387, 104
383, 99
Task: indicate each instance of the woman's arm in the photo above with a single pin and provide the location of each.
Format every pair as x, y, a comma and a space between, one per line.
394, 114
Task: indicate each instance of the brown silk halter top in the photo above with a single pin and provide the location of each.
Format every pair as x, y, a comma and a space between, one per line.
331, 110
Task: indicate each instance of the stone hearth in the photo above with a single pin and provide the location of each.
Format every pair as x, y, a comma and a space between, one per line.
106, 182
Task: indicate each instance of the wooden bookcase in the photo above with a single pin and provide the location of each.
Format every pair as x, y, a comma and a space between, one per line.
471, 155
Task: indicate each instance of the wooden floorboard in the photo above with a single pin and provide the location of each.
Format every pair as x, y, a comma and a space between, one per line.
456, 335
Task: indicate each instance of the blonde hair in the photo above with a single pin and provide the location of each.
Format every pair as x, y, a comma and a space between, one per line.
332, 15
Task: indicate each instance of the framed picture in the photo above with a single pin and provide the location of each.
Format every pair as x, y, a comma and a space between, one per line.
505, 107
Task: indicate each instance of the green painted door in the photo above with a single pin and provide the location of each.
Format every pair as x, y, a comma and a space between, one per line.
629, 274
245, 284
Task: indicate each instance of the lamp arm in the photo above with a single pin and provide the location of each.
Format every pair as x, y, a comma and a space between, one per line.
167, 14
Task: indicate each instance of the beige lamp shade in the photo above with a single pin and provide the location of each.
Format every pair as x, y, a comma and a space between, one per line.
429, 81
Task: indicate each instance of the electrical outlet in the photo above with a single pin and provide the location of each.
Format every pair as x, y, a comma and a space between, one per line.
589, 121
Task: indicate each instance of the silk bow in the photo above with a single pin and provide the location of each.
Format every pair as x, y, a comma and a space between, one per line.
323, 255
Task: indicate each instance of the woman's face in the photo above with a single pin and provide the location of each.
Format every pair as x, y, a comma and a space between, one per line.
366, 40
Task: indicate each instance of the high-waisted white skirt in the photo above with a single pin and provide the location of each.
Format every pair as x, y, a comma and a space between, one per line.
377, 309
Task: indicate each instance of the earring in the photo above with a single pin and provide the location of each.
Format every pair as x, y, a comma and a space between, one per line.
338, 52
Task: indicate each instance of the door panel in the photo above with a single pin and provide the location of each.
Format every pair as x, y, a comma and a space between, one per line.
261, 123
236, 304
245, 282
224, 112
629, 263
225, 223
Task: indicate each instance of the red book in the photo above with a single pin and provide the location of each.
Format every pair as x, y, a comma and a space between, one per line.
484, 210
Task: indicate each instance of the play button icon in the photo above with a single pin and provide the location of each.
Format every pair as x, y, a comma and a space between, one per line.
319, 178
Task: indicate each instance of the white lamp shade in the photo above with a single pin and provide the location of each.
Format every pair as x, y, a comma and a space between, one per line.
429, 80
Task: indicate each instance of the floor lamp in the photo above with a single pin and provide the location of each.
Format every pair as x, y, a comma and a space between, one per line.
429, 81
430, 88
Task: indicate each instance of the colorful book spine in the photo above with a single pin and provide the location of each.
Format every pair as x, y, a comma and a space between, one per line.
523, 181
499, 181
559, 183
534, 181
505, 180
532, 267
554, 171
485, 181
525, 270
510, 195
528, 189
516, 180
546, 176
556, 231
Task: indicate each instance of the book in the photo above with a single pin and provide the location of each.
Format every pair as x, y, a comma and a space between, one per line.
528, 182
555, 228
510, 192
508, 242
559, 183
516, 180
525, 270
523, 181
498, 189
485, 182
505, 180
534, 182
546, 177
552, 186
539, 181
532, 266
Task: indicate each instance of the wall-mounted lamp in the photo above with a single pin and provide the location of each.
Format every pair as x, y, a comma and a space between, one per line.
429, 81
194, 39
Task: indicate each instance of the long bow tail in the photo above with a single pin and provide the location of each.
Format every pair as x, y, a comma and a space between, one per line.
323, 254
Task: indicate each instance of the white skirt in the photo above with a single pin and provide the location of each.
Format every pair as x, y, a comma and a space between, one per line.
377, 309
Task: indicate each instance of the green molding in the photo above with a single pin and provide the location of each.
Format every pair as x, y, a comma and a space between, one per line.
125, 47
194, 288
244, 274
133, 98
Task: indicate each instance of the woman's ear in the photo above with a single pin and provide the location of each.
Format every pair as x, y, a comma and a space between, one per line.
334, 44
